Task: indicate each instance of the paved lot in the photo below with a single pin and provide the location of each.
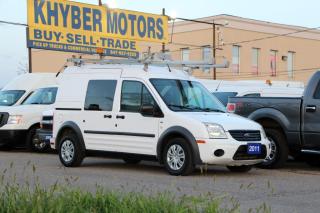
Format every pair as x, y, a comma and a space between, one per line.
295, 188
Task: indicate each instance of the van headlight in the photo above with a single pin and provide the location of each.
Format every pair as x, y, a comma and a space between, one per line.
216, 131
15, 119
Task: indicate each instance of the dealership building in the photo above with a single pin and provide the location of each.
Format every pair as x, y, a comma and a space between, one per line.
255, 49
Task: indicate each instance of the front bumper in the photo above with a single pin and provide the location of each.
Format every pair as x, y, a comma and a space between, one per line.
12, 137
235, 152
44, 136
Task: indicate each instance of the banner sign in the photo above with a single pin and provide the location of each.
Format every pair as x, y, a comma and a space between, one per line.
75, 27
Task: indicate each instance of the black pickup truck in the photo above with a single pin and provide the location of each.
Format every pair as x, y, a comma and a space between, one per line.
291, 124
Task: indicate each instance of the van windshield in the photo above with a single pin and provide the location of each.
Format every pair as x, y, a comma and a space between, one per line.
43, 96
10, 97
182, 95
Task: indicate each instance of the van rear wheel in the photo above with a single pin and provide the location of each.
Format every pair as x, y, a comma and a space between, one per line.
178, 158
71, 153
279, 150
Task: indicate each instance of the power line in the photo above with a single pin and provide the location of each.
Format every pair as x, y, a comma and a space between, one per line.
251, 40
13, 23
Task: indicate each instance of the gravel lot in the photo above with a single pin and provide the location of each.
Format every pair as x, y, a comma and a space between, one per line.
295, 188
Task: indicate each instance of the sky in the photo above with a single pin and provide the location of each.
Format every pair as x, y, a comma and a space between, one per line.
13, 52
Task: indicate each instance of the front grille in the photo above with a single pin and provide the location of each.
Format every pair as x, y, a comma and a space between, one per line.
242, 153
4, 116
245, 135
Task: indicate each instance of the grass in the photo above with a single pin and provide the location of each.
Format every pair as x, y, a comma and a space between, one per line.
56, 199
32, 197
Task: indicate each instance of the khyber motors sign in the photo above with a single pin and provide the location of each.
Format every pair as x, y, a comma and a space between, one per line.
75, 27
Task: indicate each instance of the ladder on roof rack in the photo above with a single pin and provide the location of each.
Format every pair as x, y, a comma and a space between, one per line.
155, 60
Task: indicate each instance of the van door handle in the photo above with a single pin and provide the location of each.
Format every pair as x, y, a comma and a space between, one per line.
107, 116
311, 108
120, 117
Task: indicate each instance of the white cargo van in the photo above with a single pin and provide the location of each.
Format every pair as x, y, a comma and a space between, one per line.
140, 112
253, 88
18, 124
17, 90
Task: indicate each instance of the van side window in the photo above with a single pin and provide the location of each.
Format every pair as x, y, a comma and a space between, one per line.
316, 94
100, 95
134, 94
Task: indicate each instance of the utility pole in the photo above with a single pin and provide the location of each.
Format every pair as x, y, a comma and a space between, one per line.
163, 44
29, 54
214, 48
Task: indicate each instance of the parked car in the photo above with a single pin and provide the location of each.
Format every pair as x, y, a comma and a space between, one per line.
292, 124
44, 133
17, 90
18, 124
160, 114
226, 89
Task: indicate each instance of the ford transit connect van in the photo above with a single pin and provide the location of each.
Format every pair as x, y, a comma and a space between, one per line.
157, 113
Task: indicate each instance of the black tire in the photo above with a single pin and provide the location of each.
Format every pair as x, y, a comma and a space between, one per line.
71, 139
131, 160
188, 164
313, 161
239, 169
32, 139
281, 153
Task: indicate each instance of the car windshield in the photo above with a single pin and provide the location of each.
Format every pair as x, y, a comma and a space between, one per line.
183, 95
10, 97
43, 96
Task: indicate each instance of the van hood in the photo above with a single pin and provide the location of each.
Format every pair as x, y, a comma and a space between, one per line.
25, 109
226, 120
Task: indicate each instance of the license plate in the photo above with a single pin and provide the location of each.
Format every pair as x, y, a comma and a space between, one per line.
48, 137
254, 148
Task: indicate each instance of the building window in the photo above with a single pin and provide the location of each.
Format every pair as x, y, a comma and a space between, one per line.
236, 59
273, 62
290, 61
255, 61
206, 56
185, 52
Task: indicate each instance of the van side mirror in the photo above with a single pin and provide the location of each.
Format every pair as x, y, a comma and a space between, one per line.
94, 107
151, 110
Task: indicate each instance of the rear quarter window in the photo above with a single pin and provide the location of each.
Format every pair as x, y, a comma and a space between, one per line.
100, 95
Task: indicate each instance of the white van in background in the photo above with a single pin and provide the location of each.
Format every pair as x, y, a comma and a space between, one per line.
17, 90
18, 124
225, 89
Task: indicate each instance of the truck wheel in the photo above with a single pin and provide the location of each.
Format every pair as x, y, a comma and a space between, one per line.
239, 169
131, 160
71, 153
33, 143
279, 150
177, 156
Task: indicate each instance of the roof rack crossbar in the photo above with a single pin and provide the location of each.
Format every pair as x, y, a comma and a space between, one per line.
149, 61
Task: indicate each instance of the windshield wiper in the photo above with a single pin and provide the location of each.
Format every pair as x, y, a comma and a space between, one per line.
213, 110
190, 107
181, 106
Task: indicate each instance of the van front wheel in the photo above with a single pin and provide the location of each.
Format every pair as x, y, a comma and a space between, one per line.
177, 157
71, 154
